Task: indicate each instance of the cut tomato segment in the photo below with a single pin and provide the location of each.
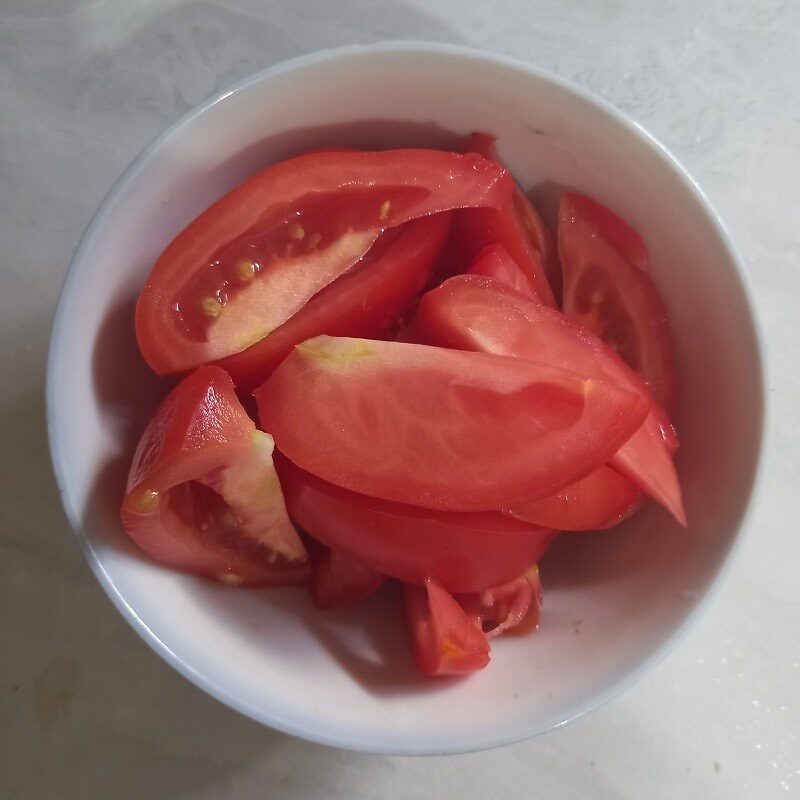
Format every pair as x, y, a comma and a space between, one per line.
365, 302
203, 496
463, 552
260, 253
441, 428
607, 289
601, 499
337, 579
517, 227
511, 607
475, 313
495, 262
444, 639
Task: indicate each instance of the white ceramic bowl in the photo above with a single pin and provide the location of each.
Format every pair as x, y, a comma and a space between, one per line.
614, 602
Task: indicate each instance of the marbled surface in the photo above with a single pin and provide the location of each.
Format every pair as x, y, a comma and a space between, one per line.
86, 709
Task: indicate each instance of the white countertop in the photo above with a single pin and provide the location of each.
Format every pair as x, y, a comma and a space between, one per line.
86, 709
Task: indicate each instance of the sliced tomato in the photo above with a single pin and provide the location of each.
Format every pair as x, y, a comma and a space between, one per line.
367, 301
601, 499
608, 290
516, 226
509, 607
337, 579
440, 428
463, 552
477, 313
203, 495
495, 262
444, 639
260, 253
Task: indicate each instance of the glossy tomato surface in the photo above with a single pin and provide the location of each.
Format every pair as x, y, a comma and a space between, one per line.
366, 301
203, 496
255, 257
463, 552
608, 290
477, 313
438, 428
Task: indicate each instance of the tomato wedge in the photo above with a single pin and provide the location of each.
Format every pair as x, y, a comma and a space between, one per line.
260, 253
511, 607
203, 496
477, 313
601, 499
463, 552
441, 428
365, 302
516, 226
607, 289
338, 580
495, 262
444, 639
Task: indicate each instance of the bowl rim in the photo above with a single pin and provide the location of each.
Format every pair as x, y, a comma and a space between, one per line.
354, 741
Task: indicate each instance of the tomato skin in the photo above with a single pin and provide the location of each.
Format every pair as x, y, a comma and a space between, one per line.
406, 184
338, 580
364, 302
444, 639
518, 227
495, 262
198, 435
608, 290
476, 313
463, 552
440, 428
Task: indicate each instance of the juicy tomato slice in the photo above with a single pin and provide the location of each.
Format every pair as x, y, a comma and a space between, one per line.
608, 290
511, 607
463, 552
516, 226
337, 579
477, 313
445, 641
366, 301
495, 262
203, 495
601, 499
440, 428
261, 252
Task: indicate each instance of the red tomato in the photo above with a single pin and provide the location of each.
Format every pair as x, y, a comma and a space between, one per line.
444, 640
607, 289
337, 579
440, 428
495, 262
203, 496
601, 499
364, 302
517, 226
260, 253
463, 552
476, 313
510, 607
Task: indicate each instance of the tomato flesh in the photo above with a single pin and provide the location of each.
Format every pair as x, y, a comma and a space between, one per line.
203, 495
445, 641
516, 226
260, 253
462, 552
495, 262
608, 290
444, 429
477, 313
366, 301
339, 580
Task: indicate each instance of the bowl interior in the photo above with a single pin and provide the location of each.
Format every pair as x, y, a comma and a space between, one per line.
612, 600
